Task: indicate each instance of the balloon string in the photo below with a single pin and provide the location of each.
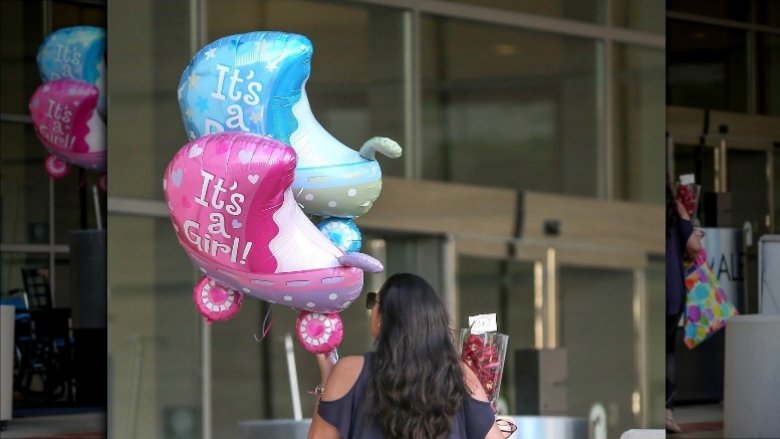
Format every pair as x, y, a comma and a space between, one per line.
267, 323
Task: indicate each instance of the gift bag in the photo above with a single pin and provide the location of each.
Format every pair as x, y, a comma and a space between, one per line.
706, 305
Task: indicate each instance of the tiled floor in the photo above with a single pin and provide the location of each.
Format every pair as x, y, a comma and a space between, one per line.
699, 421
83, 426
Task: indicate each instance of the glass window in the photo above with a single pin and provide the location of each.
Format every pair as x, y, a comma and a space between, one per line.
151, 47
639, 125
21, 34
76, 204
598, 335
65, 13
776, 170
509, 108
24, 194
585, 10
768, 70
738, 10
749, 188
768, 12
154, 344
706, 66
646, 15
25, 187
507, 289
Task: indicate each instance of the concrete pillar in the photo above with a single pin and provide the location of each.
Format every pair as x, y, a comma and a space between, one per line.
752, 377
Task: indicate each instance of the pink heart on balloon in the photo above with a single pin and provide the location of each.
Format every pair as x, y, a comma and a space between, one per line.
185, 202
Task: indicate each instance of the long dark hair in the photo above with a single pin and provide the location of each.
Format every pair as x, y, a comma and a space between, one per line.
418, 384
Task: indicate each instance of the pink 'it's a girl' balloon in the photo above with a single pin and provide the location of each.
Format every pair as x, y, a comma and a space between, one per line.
66, 120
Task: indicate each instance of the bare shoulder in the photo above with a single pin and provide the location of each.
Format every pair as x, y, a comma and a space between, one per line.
343, 377
472, 382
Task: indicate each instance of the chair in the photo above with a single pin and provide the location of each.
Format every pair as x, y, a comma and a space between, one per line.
36, 285
48, 352
52, 353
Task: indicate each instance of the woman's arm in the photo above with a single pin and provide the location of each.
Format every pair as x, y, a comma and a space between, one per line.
477, 392
494, 433
337, 380
693, 241
319, 428
693, 246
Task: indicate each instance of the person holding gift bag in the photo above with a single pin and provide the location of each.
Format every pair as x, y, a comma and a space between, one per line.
414, 384
681, 241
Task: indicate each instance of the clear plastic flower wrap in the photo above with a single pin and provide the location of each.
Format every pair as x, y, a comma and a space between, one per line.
484, 353
689, 193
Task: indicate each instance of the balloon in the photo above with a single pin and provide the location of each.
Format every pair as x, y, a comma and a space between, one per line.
255, 82
56, 167
342, 232
230, 200
319, 333
78, 53
215, 301
66, 121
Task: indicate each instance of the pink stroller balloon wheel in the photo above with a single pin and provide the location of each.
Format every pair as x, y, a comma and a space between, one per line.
319, 333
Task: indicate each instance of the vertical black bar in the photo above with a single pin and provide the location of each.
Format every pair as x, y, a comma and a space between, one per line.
505, 267
699, 152
83, 197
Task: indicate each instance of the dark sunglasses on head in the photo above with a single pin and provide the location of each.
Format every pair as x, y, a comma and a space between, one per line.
371, 300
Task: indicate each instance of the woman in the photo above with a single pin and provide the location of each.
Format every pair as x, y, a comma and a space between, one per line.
413, 386
680, 240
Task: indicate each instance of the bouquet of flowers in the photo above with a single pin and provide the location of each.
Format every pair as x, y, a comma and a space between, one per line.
689, 192
483, 351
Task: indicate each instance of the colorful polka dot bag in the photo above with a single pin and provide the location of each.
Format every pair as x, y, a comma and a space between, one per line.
706, 305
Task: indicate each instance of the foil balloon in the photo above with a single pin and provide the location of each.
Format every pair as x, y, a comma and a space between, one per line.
65, 118
342, 232
319, 333
230, 200
255, 82
75, 53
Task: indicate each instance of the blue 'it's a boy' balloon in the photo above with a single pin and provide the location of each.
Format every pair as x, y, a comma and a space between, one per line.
255, 83
78, 53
